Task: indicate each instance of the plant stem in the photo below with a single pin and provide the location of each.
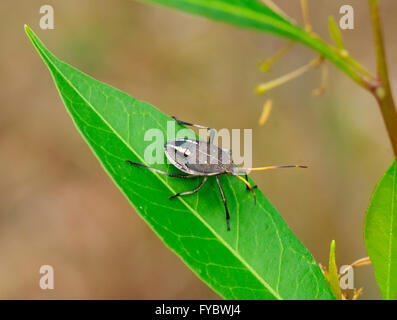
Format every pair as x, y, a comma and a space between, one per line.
306, 17
356, 65
264, 87
382, 92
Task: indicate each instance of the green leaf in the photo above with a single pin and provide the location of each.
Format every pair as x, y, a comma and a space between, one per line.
335, 33
380, 233
259, 258
333, 276
255, 15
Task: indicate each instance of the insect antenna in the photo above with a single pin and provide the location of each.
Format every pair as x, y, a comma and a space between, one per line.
275, 167
260, 169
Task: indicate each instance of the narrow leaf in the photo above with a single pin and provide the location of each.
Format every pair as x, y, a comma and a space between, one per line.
380, 233
260, 258
255, 15
335, 33
333, 276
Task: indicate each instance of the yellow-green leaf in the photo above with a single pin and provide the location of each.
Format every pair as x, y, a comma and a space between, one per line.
380, 233
333, 275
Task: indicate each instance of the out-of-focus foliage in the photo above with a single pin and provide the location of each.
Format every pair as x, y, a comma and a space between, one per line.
256, 15
380, 233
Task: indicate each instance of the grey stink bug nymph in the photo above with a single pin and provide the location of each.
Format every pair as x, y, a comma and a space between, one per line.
199, 158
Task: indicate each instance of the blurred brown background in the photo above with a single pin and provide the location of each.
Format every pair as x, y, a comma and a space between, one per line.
58, 207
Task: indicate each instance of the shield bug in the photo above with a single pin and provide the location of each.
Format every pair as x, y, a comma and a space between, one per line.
199, 158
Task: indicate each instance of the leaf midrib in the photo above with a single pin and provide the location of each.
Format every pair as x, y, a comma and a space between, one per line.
391, 235
247, 13
217, 236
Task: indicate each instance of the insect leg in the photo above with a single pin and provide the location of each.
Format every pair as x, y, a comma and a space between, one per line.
252, 190
224, 202
212, 136
212, 131
189, 124
190, 192
162, 172
246, 183
254, 186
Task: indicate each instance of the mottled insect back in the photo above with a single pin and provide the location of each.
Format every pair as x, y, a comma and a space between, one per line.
198, 157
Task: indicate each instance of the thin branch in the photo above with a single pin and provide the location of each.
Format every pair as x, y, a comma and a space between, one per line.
264, 87
324, 81
268, 63
360, 68
383, 93
361, 262
306, 17
267, 108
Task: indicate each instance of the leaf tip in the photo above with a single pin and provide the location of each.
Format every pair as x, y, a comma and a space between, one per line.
27, 29
332, 249
29, 32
